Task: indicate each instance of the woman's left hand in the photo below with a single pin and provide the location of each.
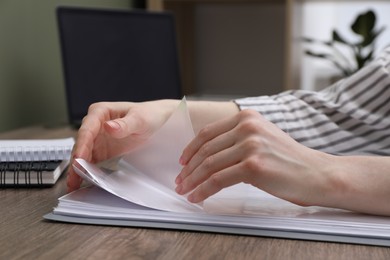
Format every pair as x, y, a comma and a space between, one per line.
248, 148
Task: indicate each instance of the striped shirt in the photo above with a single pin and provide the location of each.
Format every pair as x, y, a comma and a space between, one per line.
350, 117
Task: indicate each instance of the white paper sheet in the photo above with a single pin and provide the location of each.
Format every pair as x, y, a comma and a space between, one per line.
146, 176
271, 213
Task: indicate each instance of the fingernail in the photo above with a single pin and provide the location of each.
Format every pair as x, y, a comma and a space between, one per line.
179, 189
178, 180
182, 161
191, 198
114, 125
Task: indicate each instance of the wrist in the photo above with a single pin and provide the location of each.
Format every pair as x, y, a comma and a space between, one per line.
324, 185
335, 186
361, 183
203, 113
166, 107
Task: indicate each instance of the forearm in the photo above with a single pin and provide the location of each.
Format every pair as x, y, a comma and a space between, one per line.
203, 113
359, 183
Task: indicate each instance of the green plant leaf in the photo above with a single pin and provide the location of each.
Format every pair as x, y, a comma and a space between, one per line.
328, 57
317, 55
362, 60
308, 40
337, 38
359, 61
363, 49
313, 41
368, 58
364, 24
371, 38
368, 40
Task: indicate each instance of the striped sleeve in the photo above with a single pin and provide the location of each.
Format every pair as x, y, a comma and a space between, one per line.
349, 117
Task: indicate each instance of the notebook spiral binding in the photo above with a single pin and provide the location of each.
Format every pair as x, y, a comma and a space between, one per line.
25, 173
30, 165
42, 153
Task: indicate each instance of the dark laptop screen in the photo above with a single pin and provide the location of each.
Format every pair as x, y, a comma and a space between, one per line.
112, 55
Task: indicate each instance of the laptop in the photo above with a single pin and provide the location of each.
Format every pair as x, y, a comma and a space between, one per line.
116, 55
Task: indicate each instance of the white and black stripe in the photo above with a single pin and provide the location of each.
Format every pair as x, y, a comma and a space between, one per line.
349, 117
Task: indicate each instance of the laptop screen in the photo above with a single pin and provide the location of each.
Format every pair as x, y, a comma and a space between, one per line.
113, 55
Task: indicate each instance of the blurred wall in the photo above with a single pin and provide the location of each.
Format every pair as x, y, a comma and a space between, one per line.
31, 79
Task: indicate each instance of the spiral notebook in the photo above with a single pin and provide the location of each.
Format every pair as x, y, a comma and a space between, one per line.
36, 162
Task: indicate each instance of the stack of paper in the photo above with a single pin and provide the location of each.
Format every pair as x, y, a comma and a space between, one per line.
139, 191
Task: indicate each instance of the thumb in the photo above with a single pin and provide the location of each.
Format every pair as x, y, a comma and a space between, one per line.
126, 126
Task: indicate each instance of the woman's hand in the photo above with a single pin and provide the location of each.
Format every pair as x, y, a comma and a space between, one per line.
248, 148
113, 128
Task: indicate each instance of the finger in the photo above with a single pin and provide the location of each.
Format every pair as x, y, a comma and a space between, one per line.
84, 144
208, 149
114, 117
115, 120
206, 134
132, 123
88, 131
211, 165
218, 181
73, 180
82, 149
90, 128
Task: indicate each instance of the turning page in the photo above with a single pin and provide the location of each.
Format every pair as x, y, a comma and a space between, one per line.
146, 176
139, 190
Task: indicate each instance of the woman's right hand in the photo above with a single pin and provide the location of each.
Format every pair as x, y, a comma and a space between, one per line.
114, 128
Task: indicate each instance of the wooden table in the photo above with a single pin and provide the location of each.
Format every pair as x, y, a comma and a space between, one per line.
26, 235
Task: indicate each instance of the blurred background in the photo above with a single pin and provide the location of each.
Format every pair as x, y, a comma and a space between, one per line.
228, 49
31, 78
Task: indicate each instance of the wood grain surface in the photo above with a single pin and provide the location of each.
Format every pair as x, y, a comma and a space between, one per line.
26, 235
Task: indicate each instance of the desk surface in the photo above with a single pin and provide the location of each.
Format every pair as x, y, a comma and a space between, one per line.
26, 235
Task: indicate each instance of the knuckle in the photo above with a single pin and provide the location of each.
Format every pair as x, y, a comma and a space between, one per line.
250, 126
136, 120
204, 150
252, 143
248, 113
216, 182
208, 163
98, 110
253, 165
204, 133
95, 106
84, 119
